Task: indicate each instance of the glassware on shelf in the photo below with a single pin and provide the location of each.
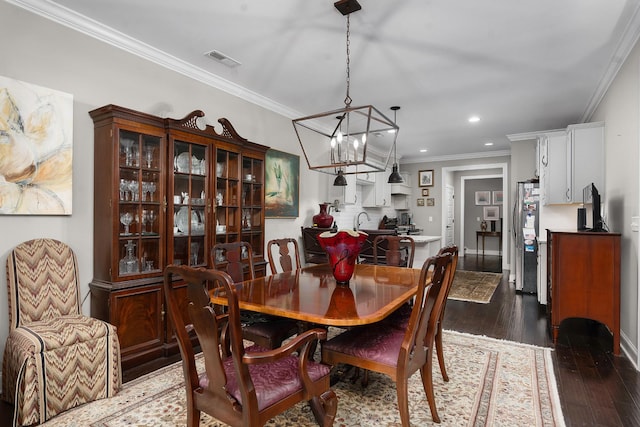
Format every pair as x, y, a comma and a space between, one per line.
195, 247
126, 219
152, 190
129, 264
127, 144
151, 217
148, 266
148, 154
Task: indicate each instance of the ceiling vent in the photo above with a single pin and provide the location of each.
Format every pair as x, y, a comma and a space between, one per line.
222, 58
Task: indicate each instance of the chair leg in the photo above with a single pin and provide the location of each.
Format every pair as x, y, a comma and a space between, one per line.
402, 389
193, 417
427, 383
324, 408
440, 353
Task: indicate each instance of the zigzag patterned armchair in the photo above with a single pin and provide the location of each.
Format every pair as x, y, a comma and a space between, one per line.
55, 358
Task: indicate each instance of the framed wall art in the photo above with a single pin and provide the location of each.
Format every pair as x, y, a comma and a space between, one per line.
420, 202
431, 201
36, 155
425, 192
425, 178
282, 183
483, 197
491, 213
497, 197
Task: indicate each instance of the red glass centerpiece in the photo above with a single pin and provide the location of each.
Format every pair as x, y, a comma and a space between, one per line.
343, 248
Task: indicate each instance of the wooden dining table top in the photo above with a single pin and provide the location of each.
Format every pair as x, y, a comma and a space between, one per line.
311, 294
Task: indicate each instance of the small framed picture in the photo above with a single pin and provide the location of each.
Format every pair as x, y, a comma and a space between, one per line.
421, 202
483, 197
425, 192
431, 201
425, 178
491, 213
497, 198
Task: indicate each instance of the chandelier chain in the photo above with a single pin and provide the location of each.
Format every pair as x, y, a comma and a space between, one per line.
347, 99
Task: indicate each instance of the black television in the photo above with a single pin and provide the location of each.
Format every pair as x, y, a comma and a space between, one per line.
591, 202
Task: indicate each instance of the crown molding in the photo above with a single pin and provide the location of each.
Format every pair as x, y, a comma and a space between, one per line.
465, 156
106, 34
628, 40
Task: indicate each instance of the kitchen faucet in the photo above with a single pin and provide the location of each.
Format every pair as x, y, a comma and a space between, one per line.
356, 223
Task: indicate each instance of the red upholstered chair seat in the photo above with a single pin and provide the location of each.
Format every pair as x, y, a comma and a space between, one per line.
271, 381
380, 344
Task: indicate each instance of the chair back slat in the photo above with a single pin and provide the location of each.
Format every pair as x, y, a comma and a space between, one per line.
236, 260
284, 246
397, 251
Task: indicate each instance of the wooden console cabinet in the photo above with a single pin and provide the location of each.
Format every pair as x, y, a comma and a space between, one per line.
583, 279
165, 191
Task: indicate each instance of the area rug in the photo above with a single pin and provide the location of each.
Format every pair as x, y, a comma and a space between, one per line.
474, 286
492, 383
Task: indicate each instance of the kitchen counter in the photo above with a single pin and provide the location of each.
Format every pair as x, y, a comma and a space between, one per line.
426, 246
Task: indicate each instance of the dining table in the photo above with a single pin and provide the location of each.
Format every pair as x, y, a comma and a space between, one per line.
311, 294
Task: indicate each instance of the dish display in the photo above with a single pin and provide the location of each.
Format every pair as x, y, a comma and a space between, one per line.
182, 162
182, 219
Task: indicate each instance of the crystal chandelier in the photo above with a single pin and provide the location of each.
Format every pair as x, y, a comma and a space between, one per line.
360, 142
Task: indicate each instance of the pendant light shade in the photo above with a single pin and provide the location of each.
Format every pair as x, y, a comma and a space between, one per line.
340, 180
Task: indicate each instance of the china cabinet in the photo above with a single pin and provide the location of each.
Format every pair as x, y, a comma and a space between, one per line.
165, 191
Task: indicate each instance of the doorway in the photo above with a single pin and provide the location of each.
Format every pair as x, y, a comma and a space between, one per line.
449, 179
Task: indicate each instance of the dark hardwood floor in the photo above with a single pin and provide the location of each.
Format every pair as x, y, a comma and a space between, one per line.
596, 388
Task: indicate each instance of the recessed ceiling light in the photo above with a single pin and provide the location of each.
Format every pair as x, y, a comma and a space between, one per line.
424, 150
488, 143
474, 119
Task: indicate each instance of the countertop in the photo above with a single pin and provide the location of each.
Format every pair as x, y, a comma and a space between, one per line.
418, 238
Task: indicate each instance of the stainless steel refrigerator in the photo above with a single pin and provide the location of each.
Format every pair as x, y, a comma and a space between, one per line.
525, 232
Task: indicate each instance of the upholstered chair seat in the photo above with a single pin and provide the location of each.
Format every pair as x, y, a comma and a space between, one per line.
55, 358
266, 379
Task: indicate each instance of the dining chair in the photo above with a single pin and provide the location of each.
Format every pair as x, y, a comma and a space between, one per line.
453, 250
240, 386
237, 260
397, 352
284, 246
399, 250
55, 358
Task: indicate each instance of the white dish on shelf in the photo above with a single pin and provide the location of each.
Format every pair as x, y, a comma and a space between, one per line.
183, 161
182, 219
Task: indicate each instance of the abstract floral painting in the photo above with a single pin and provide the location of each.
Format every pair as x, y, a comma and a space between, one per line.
282, 171
36, 149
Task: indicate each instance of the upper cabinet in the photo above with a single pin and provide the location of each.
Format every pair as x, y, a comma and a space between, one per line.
569, 161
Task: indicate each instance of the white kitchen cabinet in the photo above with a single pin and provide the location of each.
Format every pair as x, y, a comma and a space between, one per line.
345, 195
400, 202
366, 178
377, 195
569, 161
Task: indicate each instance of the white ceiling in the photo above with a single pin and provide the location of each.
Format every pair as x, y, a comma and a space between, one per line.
520, 65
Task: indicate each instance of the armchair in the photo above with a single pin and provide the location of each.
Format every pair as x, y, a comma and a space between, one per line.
55, 358
241, 386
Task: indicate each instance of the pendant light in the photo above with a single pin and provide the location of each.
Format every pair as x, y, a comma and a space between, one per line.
362, 140
395, 177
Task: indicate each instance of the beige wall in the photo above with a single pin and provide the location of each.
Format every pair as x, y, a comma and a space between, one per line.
41, 52
620, 110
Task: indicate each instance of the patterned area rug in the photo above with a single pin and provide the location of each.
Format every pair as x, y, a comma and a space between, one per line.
492, 383
474, 286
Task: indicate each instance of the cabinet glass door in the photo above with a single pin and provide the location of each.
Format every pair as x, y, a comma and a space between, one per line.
228, 196
252, 201
188, 204
140, 193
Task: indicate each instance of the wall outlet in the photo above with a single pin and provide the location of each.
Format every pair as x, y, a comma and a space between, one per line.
478, 218
430, 219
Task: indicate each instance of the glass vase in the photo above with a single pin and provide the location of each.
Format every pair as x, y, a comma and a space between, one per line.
342, 248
